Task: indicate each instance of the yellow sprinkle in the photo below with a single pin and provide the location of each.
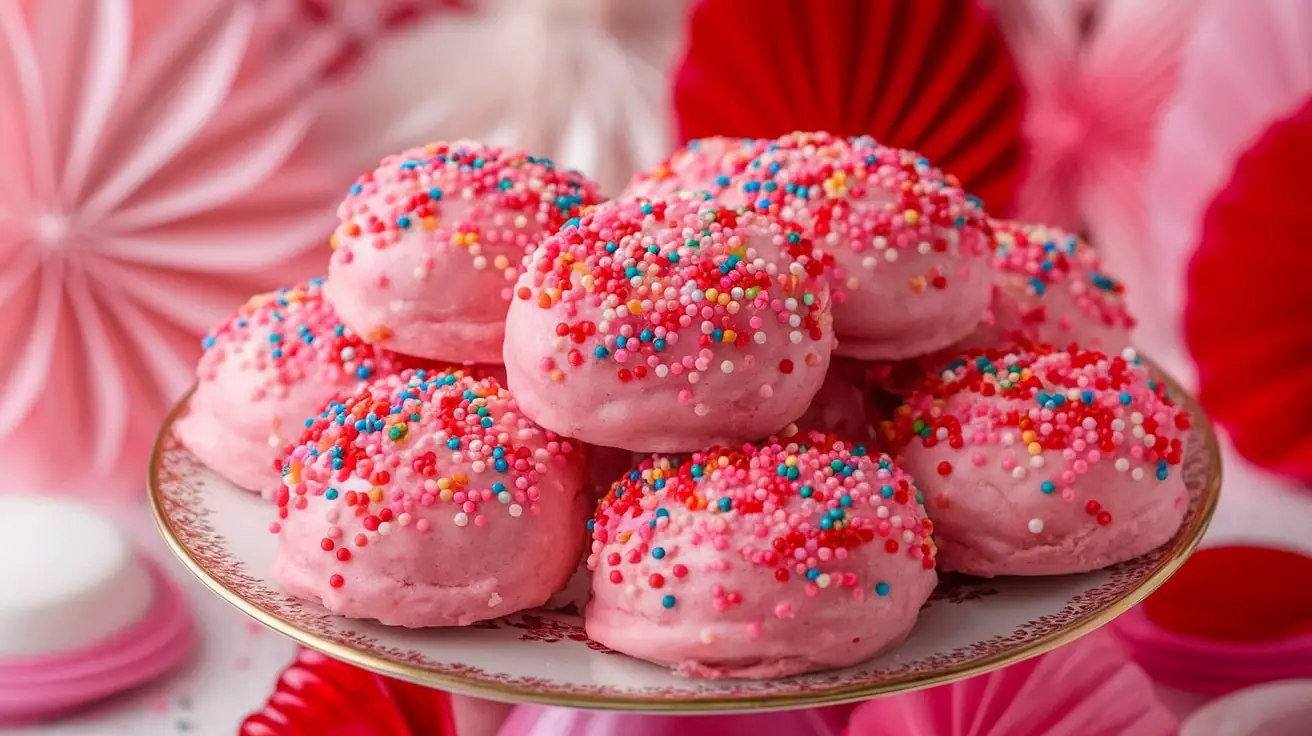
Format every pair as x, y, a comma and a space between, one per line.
912, 217
918, 284
375, 495
624, 537
635, 307
656, 473
445, 495
1035, 448
729, 336
1028, 436
791, 461
712, 294
723, 299
332, 241
557, 375
444, 483
430, 223
460, 479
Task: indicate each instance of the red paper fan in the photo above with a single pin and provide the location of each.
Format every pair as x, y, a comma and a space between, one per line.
1247, 317
319, 696
934, 76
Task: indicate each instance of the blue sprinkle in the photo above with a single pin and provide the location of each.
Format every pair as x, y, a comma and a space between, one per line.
592, 524
658, 552
726, 504
845, 500
1047, 486
881, 588
356, 189
600, 352
668, 601
805, 491
658, 344
403, 221
1086, 397
662, 513
1125, 398
886, 491
501, 465
812, 574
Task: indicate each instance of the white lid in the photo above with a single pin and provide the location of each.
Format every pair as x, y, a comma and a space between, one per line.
68, 577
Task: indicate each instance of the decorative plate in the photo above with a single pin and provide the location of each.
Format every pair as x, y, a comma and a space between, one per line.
969, 626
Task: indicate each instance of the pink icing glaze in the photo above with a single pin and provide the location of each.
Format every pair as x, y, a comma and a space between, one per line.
695, 167
762, 562
432, 503
1049, 288
704, 320
1044, 462
263, 373
907, 249
431, 241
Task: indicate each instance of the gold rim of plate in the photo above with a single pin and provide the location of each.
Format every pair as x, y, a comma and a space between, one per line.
1181, 550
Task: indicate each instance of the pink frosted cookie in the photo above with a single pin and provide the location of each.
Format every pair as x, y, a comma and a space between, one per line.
668, 326
704, 164
1049, 288
840, 407
908, 250
1044, 462
263, 373
431, 241
427, 499
760, 562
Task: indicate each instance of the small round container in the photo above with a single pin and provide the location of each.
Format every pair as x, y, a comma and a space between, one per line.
83, 616
1232, 617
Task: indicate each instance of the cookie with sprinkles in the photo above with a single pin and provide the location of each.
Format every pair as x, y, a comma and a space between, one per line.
668, 326
910, 250
1049, 287
704, 164
763, 561
263, 372
432, 240
427, 499
1044, 462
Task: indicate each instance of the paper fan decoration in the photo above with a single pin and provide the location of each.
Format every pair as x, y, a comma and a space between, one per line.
148, 185
357, 26
1226, 187
318, 696
534, 720
1087, 688
934, 76
582, 82
1097, 75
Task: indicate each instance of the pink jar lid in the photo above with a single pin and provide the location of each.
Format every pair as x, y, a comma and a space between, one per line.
42, 687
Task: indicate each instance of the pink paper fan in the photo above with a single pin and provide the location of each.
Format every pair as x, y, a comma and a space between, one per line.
1088, 688
1226, 185
1097, 75
534, 720
149, 183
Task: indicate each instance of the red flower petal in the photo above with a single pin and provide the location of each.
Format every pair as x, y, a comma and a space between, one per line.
1246, 316
934, 76
319, 696
1237, 594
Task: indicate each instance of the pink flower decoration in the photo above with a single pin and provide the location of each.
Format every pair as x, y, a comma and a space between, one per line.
148, 185
1088, 688
1097, 74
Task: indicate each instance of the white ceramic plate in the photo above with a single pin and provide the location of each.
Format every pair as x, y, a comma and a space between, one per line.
970, 626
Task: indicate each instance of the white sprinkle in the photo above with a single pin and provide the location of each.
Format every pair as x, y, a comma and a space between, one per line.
462, 519
1018, 472
882, 512
1122, 464
868, 263
822, 580
385, 528
1037, 461
1036, 526
1137, 474
908, 536
759, 338
516, 510
1149, 440
890, 255
726, 366
923, 248
494, 601
795, 337
1008, 439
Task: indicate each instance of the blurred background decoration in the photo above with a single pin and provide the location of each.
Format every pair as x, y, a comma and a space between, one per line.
584, 82
1227, 191
151, 178
934, 76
